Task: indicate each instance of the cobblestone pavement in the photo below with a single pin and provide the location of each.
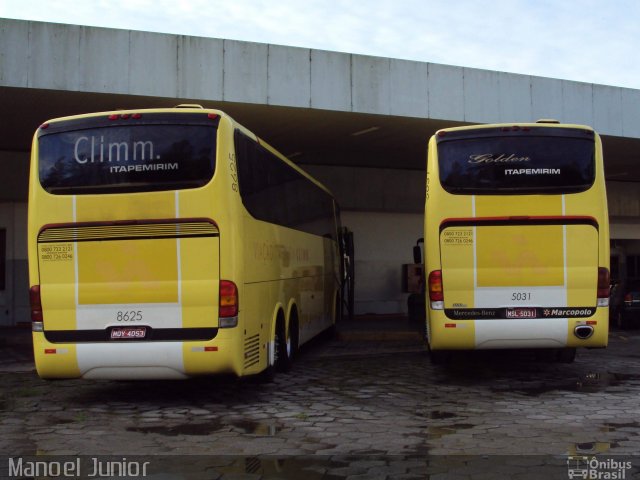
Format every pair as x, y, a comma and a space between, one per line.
351, 406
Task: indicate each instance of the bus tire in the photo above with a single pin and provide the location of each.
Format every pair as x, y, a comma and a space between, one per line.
439, 357
268, 375
566, 355
283, 346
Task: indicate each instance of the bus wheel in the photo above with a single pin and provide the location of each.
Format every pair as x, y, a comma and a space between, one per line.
439, 357
283, 347
566, 355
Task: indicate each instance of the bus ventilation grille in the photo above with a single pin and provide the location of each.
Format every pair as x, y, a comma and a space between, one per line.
86, 233
251, 351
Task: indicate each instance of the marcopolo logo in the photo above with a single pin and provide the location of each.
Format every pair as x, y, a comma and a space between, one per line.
593, 468
568, 312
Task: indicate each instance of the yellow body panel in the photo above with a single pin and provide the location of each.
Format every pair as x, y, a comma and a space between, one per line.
62, 364
520, 255
128, 272
57, 261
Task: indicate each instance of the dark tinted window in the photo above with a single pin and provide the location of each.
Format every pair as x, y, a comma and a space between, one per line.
274, 192
539, 160
3, 258
126, 157
633, 267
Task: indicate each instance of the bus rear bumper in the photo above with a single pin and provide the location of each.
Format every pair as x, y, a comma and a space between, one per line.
484, 334
133, 360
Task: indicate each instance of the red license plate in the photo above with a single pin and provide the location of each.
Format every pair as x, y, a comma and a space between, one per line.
521, 313
128, 333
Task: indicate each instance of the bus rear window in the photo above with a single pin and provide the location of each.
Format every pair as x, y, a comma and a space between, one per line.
126, 158
538, 160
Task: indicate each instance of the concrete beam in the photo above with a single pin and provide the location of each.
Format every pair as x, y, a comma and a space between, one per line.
88, 59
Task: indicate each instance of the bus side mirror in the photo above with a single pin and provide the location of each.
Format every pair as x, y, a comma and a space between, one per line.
417, 254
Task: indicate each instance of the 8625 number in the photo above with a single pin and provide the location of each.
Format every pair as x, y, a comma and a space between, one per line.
129, 316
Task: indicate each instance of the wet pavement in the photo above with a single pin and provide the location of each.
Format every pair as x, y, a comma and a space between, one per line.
365, 405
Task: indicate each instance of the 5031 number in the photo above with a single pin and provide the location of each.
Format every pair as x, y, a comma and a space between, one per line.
520, 296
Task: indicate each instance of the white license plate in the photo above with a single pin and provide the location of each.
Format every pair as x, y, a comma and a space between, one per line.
521, 313
128, 333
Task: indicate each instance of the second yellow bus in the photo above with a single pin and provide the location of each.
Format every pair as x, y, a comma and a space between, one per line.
516, 239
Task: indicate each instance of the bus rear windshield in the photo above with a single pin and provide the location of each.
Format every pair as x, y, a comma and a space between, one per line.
537, 160
126, 158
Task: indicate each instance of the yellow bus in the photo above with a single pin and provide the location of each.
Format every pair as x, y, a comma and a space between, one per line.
170, 243
516, 239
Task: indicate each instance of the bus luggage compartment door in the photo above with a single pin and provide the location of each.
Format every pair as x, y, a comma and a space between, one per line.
144, 280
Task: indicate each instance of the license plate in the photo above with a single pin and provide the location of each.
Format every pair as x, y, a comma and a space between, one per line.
521, 313
128, 333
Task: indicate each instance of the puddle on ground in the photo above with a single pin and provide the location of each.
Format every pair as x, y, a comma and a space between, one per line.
175, 430
255, 428
203, 429
595, 382
590, 383
439, 432
439, 415
590, 448
612, 427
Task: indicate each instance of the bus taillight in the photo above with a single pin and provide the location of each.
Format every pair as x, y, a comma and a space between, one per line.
36, 307
603, 287
228, 309
436, 294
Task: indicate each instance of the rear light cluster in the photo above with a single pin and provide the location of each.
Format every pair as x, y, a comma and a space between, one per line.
135, 116
436, 293
36, 308
515, 128
124, 116
228, 304
603, 287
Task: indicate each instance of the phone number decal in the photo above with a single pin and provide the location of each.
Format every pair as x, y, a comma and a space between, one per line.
62, 252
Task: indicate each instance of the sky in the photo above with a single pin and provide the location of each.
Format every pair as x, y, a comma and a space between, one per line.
583, 40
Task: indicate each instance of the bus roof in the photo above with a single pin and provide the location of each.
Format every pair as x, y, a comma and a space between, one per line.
516, 126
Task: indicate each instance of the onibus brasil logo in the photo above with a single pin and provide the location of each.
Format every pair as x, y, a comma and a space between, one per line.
592, 468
